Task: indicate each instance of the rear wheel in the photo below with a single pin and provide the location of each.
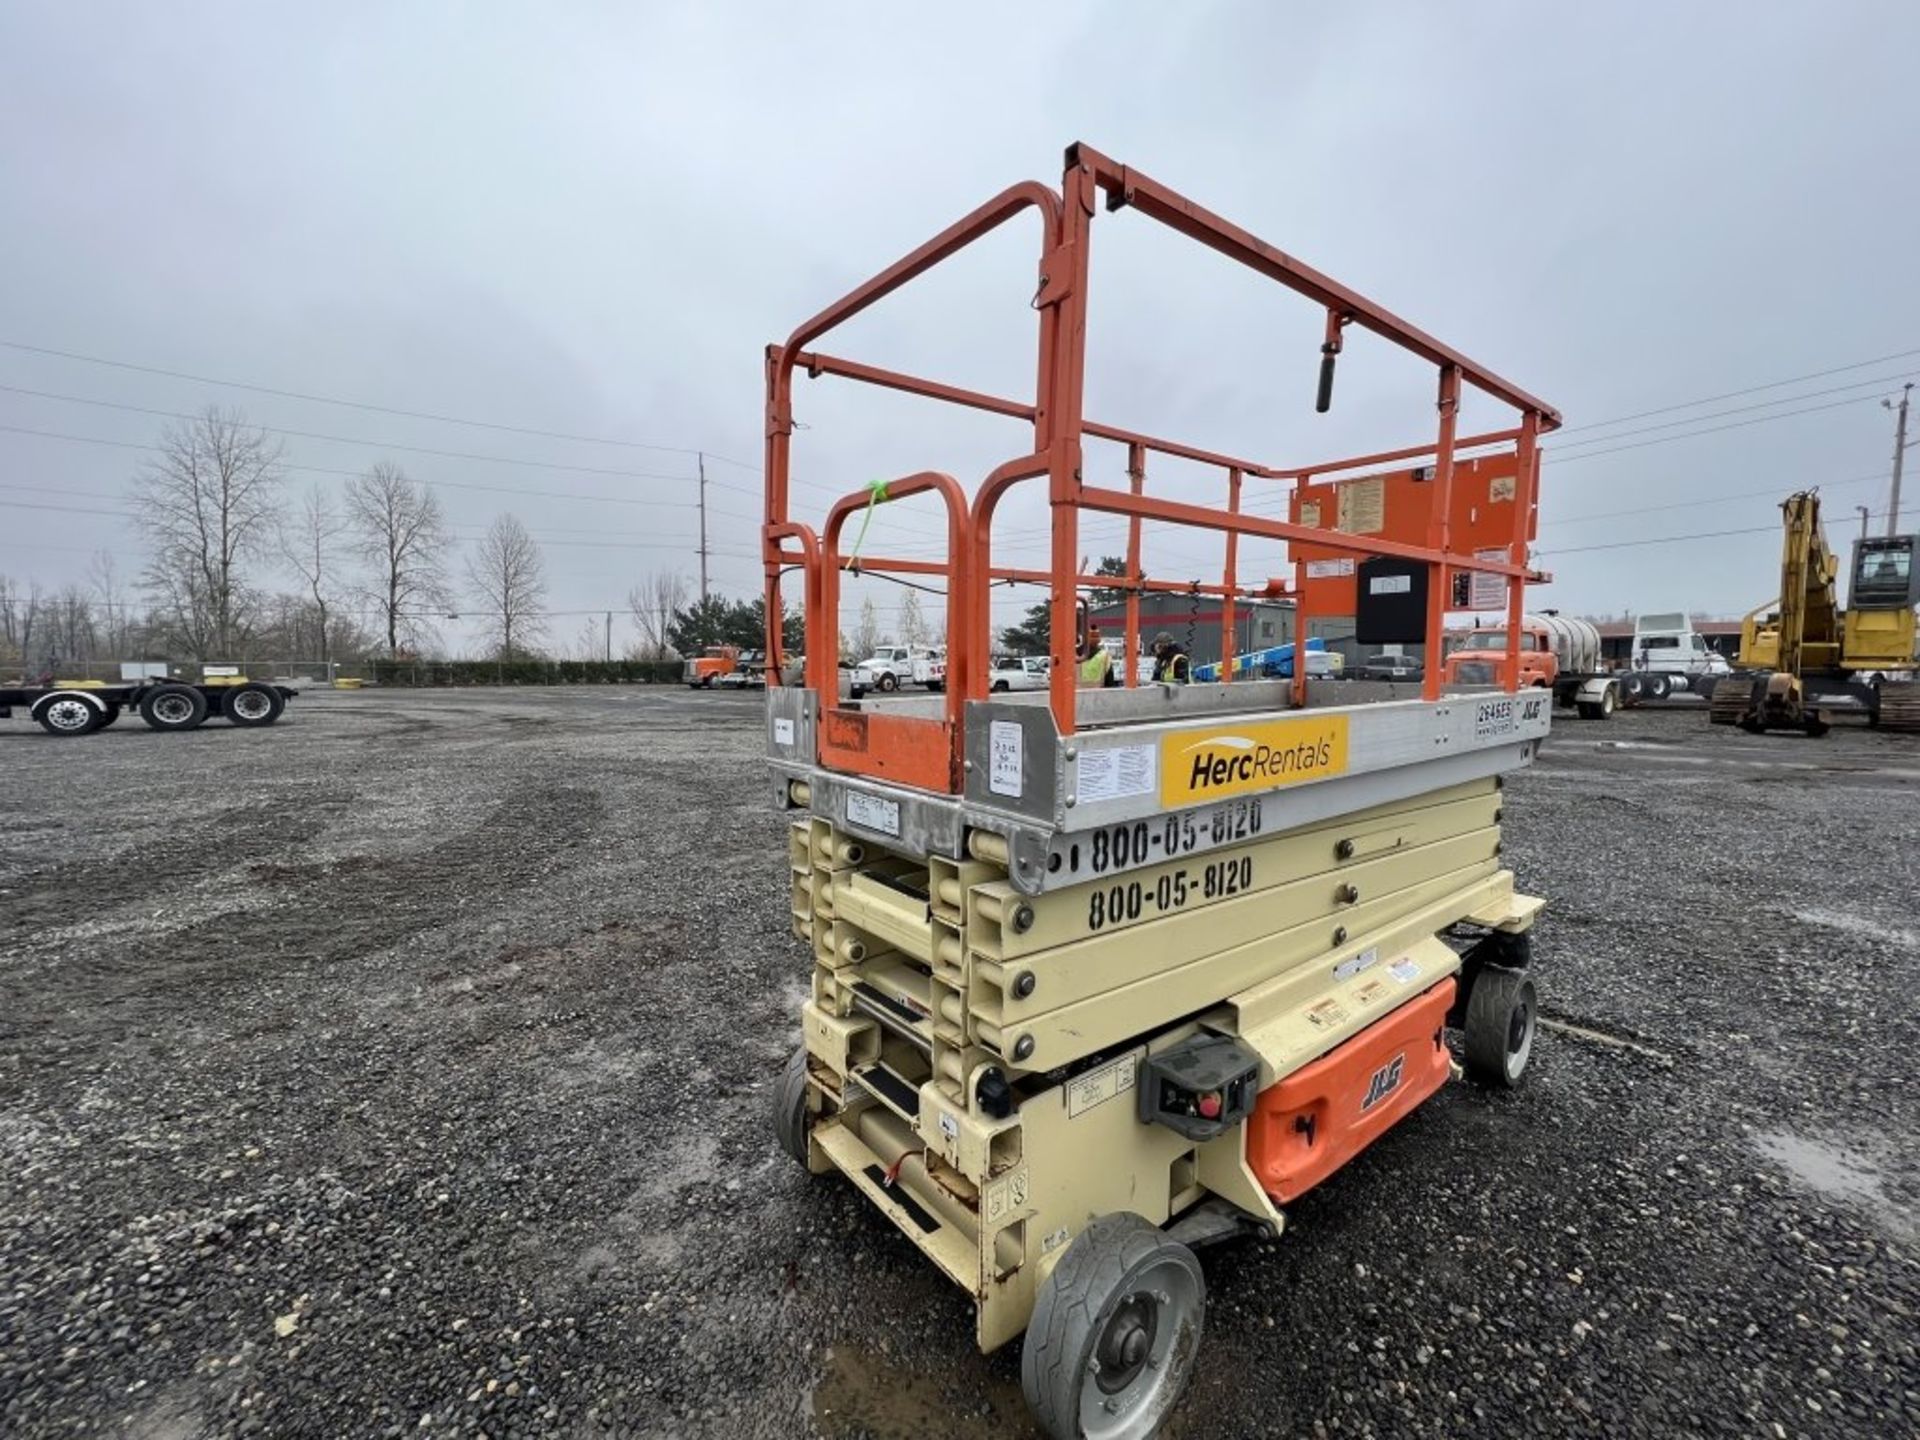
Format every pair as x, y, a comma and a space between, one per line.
1115, 1330
69, 715
792, 1117
1658, 687
111, 714
250, 705
1590, 710
1502, 1011
1000, 686
173, 707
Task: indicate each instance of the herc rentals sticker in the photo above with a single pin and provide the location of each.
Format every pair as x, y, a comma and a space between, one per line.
1212, 764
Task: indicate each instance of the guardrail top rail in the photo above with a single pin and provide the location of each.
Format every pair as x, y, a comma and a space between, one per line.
925, 751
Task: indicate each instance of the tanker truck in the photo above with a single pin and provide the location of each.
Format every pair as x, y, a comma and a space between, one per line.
1557, 653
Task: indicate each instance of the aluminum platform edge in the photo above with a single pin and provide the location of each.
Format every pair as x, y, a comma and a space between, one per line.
1044, 794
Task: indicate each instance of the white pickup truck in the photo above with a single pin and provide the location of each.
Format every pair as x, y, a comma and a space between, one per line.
891, 666
1018, 672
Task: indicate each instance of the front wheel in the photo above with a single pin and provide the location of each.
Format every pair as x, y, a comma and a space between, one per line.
1502, 1014
69, 715
1114, 1333
888, 682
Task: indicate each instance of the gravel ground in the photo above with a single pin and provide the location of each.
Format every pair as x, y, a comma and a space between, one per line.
402, 1070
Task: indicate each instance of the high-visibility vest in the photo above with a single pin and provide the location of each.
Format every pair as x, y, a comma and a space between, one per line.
1095, 668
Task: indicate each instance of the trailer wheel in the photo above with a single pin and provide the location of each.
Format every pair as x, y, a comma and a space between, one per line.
1502, 1011
792, 1117
250, 705
112, 714
1115, 1329
173, 707
68, 715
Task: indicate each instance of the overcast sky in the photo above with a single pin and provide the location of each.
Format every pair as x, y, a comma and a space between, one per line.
591, 219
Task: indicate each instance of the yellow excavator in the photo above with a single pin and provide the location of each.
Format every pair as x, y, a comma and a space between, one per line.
1803, 659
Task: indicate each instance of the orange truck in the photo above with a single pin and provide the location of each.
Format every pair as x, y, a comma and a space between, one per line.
710, 664
1557, 653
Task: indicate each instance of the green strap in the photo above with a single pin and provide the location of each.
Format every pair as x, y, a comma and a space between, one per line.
876, 495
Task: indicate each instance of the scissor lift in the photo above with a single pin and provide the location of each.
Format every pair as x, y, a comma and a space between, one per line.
1104, 975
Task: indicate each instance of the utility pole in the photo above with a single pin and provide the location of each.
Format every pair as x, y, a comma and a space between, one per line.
609, 637
1899, 455
1864, 513
703, 519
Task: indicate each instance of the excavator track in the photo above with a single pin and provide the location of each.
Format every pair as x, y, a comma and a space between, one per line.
1732, 700
1900, 707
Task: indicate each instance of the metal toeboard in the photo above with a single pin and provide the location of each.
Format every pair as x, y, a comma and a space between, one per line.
1135, 785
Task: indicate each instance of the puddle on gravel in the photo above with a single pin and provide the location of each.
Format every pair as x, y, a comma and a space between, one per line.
862, 1394
1852, 1177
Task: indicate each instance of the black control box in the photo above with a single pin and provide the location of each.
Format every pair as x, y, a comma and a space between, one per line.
1201, 1087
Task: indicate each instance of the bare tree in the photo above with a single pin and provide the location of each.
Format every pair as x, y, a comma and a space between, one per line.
866, 639
208, 504
115, 605
311, 543
913, 626
508, 573
397, 526
653, 603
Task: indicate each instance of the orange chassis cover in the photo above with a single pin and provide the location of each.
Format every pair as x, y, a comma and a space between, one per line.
1308, 1125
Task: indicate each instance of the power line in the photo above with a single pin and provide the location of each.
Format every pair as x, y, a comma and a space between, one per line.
355, 474
1736, 394
363, 405
1710, 430
352, 439
1737, 410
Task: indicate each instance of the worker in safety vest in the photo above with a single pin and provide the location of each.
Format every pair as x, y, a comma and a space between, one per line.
1170, 663
1094, 667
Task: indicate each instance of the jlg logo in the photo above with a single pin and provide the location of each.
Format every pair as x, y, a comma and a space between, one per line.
1385, 1081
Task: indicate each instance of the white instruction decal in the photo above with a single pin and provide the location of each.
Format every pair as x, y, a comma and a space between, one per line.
1390, 585
1353, 965
1115, 774
1487, 592
1405, 971
1097, 1087
1329, 569
1005, 759
870, 812
783, 732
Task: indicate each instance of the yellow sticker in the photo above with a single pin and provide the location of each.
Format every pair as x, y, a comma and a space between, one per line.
1241, 759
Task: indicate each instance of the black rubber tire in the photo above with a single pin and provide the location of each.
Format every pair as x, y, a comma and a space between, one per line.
243, 705
792, 1117
1590, 710
173, 707
887, 682
1000, 687
1503, 1012
1658, 687
112, 714
1108, 1265
68, 717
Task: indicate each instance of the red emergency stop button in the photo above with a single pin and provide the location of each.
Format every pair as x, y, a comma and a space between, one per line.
1210, 1105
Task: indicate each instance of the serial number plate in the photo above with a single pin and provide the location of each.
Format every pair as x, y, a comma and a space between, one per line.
1147, 842
870, 812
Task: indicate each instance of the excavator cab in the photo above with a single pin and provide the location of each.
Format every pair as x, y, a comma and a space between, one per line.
1884, 575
